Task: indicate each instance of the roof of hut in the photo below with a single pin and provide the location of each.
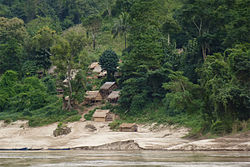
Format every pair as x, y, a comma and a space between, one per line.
102, 74
114, 94
93, 65
100, 113
97, 69
52, 70
107, 85
91, 94
127, 125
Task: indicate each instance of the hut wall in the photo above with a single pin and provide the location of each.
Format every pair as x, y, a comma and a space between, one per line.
106, 92
98, 97
109, 117
132, 129
113, 100
99, 119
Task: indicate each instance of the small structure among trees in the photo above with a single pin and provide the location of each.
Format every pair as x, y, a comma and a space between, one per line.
92, 97
102, 74
114, 96
107, 88
103, 116
93, 65
128, 127
97, 69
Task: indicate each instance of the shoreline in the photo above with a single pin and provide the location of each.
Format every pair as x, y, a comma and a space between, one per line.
18, 137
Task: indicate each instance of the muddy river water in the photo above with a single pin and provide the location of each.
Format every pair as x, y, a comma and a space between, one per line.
79, 158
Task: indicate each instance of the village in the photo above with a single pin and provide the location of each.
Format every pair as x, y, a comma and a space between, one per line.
94, 99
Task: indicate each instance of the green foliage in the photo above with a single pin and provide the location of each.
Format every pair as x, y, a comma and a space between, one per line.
29, 68
12, 29
122, 27
191, 60
11, 56
226, 91
109, 61
29, 99
89, 115
184, 96
68, 58
115, 125
205, 87
36, 25
93, 24
50, 84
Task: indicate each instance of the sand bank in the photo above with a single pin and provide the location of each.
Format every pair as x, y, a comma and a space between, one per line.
18, 135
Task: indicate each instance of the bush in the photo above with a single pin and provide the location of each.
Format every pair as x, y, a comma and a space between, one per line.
89, 115
7, 121
109, 61
115, 125
218, 128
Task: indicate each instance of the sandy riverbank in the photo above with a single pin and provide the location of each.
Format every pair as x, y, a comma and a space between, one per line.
18, 135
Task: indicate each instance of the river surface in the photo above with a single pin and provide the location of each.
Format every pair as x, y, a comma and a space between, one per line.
78, 158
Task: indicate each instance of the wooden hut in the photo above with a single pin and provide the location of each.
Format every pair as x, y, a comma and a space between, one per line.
93, 65
97, 69
102, 116
107, 88
114, 96
102, 74
128, 127
59, 92
93, 96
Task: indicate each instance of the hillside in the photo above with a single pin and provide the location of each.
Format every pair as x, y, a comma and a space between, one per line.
174, 62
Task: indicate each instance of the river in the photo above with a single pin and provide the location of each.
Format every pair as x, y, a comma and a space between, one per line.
79, 158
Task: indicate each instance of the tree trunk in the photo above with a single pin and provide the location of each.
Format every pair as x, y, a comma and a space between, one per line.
168, 39
108, 6
93, 36
125, 38
204, 54
69, 107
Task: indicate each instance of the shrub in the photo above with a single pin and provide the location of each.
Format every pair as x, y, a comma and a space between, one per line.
109, 61
89, 115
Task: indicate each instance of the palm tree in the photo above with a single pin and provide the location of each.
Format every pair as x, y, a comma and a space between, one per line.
121, 27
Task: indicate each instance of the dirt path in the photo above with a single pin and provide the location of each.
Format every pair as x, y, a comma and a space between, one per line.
89, 108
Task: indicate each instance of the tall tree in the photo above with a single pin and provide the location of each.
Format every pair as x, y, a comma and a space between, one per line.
42, 42
145, 55
203, 20
122, 27
93, 24
109, 61
12, 29
66, 54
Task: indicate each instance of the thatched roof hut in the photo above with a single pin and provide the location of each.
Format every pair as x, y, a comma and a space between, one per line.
102, 116
102, 74
114, 96
97, 69
128, 127
93, 96
93, 65
107, 88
